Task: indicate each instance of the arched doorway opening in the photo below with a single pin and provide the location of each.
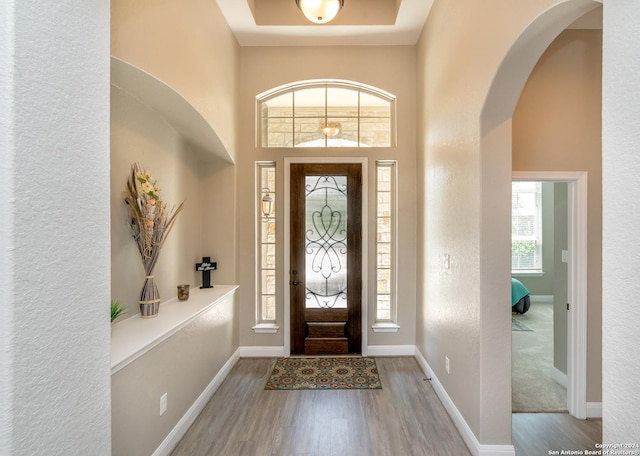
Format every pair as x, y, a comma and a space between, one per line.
496, 144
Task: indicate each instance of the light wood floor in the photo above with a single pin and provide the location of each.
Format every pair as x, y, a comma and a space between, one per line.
404, 418
535, 434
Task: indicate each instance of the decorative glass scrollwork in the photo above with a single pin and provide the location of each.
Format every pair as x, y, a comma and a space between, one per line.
326, 241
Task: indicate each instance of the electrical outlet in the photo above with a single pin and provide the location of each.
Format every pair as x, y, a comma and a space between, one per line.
163, 404
446, 261
446, 364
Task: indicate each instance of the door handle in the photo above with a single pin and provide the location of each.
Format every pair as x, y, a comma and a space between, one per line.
295, 283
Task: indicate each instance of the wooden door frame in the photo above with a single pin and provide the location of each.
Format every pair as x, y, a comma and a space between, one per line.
364, 162
577, 287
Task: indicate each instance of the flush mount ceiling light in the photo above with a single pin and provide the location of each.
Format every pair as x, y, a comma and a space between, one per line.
331, 129
320, 11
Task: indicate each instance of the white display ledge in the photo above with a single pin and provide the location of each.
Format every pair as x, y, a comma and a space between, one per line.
133, 337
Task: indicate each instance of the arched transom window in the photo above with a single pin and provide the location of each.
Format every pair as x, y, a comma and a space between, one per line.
327, 113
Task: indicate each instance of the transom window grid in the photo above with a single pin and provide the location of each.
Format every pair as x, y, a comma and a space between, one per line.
526, 227
266, 244
386, 220
326, 115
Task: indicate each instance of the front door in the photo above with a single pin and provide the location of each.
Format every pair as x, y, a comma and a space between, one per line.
326, 241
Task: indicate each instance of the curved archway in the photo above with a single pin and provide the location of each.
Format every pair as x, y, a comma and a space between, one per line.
496, 146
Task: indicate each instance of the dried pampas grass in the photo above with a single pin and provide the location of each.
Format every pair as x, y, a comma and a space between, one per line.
151, 223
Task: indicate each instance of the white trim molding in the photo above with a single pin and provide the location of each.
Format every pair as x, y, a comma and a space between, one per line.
385, 327
391, 350
265, 328
250, 351
594, 409
577, 292
558, 376
475, 447
180, 429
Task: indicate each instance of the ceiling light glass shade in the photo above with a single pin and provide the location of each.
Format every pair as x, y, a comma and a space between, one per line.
320, 11
331, 129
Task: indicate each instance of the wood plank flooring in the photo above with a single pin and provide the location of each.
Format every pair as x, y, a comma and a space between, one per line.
404, 418
535, 434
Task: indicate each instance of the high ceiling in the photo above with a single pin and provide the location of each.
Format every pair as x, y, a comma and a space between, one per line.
360, 22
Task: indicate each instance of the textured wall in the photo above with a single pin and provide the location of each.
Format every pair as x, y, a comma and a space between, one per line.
621, 218
187, 45
557, 127
561, 241
139, 134
472, 66
54, 187
390, 68
209, 341
190, 48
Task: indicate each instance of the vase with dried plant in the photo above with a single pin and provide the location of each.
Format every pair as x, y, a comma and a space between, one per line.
151, 223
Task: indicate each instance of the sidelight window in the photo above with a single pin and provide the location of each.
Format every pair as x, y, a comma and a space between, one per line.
386, 262
266, 302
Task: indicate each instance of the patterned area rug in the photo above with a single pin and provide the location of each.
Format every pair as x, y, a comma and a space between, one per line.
324, 374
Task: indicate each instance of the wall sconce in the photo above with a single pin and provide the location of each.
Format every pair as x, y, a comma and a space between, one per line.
331, 129
320, 11
267, 204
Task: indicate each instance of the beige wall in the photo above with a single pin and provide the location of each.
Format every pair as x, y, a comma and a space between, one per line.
184, 46
388, 68
139, 134
472, 65
188, 46
210, 340
560, 289
557, 127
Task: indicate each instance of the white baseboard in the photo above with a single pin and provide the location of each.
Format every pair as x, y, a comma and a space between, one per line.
476, 448
261, 352
559, 377
541, 298
391, 350
594, 409
372, 350
181, 428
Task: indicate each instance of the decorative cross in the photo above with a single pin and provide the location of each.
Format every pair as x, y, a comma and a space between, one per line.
206, 267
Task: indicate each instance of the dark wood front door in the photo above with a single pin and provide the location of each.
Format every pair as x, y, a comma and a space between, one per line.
326, 243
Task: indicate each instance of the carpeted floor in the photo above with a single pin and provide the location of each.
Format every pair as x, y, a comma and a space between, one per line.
533, 389
326, 373
517, 325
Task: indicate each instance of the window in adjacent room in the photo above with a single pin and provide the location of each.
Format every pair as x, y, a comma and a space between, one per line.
327, 113
266, 248
526, 227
